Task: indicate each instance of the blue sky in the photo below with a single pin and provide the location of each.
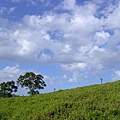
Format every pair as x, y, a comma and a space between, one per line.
72, 43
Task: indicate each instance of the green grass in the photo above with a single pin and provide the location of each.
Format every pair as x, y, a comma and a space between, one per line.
95, 102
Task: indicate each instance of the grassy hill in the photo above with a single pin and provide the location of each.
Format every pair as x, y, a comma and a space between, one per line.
95, 102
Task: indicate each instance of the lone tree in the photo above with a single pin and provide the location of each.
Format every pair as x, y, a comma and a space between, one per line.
7, 88
31, 81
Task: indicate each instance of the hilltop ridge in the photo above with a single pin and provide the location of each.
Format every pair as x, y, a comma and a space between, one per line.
95, 102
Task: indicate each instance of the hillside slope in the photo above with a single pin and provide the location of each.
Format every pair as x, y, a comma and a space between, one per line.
96, 102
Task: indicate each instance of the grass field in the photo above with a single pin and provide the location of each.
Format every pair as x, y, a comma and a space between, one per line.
95, 102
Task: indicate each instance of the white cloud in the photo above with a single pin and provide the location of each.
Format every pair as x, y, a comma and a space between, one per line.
45, 57
10, 73
12, 9
74, 77
78, 39
65, 76
49, 80
112, 20
101, 38
32, 2
116, 75
3, 9
74, 67
69, 4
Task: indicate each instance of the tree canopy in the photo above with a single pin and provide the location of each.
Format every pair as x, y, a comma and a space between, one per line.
7, 88
31, 81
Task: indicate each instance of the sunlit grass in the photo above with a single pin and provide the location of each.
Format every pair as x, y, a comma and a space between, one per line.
96, 102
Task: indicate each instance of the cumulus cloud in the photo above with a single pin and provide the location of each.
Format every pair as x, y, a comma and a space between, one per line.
116, 75
69, 4
74, 77
10, 73
77, 39
101, 38
73, 67
49, 80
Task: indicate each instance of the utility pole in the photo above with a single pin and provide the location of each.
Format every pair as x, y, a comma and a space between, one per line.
54, 89
101, 80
